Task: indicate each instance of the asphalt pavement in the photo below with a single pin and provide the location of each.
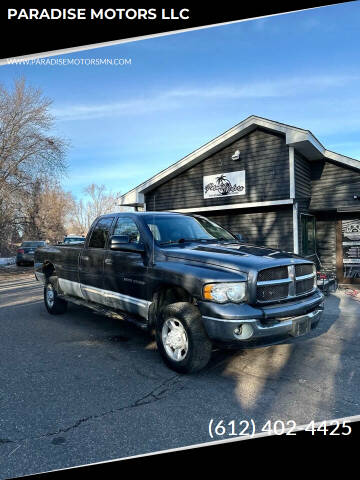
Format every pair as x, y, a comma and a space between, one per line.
81, 388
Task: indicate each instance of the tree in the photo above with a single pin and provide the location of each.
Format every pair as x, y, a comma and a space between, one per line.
27, 149
99, 202
46, 212
29, 152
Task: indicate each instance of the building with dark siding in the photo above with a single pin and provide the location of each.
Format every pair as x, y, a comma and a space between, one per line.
275, 184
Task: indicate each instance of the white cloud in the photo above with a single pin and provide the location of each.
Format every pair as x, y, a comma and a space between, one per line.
126, 107
267, 88
174, 98
105, 174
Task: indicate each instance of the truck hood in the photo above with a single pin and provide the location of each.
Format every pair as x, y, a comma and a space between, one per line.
237, 256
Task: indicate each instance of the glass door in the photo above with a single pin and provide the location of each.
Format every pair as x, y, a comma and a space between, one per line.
308, 235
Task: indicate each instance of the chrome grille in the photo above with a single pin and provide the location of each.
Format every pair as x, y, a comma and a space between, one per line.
285, 282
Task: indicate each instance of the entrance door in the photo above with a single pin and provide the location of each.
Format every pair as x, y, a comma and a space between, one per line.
348, 249
308, 235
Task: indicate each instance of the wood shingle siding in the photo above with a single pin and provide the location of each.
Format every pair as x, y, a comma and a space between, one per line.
326, 240
302, 177
268, 227
264, 157
333, 186
302, 189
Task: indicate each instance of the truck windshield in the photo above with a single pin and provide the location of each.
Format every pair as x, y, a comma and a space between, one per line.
168, 229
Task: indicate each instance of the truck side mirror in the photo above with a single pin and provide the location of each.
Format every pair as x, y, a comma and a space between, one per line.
122, 242
118, 240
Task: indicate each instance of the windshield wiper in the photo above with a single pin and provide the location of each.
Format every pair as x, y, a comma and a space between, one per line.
222, 239
183, 240
168, 242
229, 240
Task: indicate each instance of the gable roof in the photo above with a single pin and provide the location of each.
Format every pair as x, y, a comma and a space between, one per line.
303, 140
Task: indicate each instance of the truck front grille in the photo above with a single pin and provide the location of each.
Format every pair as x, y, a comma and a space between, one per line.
285, 282
304, 286
269, 293
276, 273
303, 269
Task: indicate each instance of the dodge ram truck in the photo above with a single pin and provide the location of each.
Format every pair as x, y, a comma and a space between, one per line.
187, 279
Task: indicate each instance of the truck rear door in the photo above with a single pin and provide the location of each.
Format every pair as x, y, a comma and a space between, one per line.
91, 261
125, 272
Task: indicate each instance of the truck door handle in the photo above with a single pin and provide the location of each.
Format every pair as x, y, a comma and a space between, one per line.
85, 258
108, 261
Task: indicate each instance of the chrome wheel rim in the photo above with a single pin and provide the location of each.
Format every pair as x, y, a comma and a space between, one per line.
50, 296
175, 339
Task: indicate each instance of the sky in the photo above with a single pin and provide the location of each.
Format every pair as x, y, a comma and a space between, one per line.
126, 123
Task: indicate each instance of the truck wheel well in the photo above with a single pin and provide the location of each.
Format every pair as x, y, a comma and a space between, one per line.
48, 269
165, 296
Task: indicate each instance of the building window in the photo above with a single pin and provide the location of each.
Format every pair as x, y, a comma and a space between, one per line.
308, 234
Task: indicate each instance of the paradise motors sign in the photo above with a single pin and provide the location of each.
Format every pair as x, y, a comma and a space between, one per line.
224, 184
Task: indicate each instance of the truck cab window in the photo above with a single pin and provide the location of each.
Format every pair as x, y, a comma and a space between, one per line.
127, 226
100, 233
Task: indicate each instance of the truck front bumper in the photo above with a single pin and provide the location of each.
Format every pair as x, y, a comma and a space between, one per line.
256, 326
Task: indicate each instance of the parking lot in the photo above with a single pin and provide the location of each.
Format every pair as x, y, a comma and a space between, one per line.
81, 388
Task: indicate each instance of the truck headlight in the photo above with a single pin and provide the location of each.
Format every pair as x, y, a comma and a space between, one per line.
225, 292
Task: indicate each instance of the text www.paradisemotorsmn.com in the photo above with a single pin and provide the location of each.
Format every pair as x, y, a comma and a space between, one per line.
90, 62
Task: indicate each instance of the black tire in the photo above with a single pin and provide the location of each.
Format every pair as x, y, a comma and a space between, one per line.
57, 306
198, 348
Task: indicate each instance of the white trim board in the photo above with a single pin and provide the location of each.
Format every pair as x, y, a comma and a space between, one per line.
287, 201
292, 171
295, 228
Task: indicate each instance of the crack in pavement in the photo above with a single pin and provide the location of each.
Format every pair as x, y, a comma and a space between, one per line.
158, 393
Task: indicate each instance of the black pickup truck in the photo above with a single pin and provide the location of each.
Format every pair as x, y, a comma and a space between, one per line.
193, 282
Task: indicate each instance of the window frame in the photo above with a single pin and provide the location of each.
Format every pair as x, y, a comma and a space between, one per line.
129, 219
105, 247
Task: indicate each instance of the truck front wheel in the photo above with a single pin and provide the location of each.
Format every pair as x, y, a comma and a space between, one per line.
53, 303
181, 338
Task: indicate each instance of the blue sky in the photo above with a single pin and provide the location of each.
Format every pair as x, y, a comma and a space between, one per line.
180, 91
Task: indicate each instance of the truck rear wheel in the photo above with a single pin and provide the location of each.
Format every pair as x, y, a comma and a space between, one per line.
181, 338
53, 304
